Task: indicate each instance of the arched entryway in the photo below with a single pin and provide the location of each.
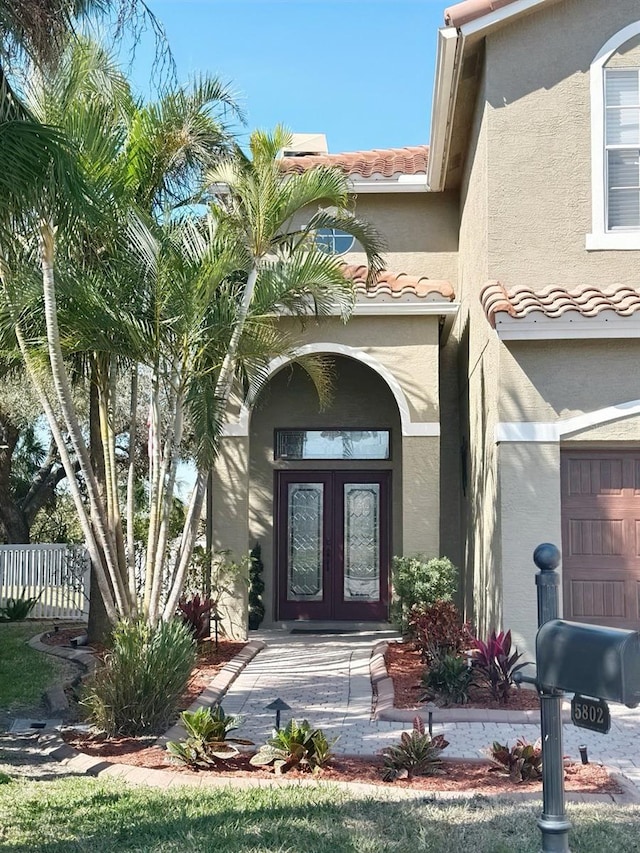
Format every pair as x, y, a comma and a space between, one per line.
325, 493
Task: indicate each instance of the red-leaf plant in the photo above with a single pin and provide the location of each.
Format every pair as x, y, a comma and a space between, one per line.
496, 665
196, 612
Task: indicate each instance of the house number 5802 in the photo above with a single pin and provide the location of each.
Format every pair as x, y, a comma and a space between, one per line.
588, 713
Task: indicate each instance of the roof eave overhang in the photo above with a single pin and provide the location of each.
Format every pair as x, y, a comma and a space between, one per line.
482, 24
402, 184
450, 45
571, 325
449, 53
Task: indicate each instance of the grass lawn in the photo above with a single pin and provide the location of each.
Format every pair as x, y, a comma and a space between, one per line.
24, 673
80, 814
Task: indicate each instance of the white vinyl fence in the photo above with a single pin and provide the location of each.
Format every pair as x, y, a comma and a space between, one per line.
57, 574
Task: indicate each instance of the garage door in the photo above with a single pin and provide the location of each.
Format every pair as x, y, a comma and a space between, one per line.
601, 537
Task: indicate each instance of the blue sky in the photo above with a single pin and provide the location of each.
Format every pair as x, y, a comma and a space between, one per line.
360, 71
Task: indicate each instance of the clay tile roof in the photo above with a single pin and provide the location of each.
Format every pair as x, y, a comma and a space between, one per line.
470, 10
385, 162
399, 286
554, 301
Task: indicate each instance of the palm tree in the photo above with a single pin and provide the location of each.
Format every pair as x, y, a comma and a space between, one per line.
278, 267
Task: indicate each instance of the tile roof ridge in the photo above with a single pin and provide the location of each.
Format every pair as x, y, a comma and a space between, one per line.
470, 10
409, 160
554, 300
398, 284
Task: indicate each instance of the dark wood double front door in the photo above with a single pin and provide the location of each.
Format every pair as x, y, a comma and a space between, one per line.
332, 544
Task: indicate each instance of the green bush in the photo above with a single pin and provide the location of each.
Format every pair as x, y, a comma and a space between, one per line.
256, 588
144, 675
447, 680
419, 582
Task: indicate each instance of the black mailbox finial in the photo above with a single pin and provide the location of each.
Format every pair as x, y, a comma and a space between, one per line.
547, 557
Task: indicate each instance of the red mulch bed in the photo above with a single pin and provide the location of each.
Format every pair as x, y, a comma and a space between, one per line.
455, 775
209, 662
406, 667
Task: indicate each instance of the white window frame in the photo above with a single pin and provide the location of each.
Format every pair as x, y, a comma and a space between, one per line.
600, 238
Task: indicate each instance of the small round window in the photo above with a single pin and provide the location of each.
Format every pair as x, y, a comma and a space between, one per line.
333, 241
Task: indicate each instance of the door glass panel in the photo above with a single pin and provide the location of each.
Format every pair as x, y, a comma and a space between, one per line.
362, 541
304, 547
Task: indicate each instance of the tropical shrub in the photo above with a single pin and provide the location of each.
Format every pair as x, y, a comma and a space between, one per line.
144, 675
419, 582
417, 754
438, 629
496, 665
297, 745
447, 680
523, 762
17, 609
196, 614
256, 588
207, 741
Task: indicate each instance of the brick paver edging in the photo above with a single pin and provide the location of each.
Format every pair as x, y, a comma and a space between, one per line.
384, 709
55, 696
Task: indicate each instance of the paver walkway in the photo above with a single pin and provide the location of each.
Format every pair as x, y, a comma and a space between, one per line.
325, 679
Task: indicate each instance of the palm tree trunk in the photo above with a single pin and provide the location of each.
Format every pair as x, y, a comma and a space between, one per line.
187, 543
131, 482
63, 393
225, 377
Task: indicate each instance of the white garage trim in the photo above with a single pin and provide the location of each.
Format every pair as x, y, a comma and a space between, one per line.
542, 432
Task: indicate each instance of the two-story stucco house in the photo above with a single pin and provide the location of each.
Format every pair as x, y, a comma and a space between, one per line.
487, 393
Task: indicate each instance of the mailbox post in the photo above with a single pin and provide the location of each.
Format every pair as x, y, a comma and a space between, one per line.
553, 822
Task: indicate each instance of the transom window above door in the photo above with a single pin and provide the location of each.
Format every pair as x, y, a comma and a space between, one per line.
292, 444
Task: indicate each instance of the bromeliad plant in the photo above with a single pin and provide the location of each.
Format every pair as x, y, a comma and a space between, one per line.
523, 762
297, 745
496, 664
196, 613
207, 741
417, 754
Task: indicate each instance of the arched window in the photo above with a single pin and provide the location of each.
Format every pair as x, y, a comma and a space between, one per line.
615, 142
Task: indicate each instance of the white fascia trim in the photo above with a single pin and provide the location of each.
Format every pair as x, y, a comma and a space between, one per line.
405, 309
553, 432
536, 327
599, 239
499, 16
404, 184
409, 427
444, 94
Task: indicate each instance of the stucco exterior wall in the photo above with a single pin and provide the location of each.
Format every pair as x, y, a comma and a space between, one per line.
230, 518
420, 229
475, 470
538, 113
407, 346
530, 514
547, 380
